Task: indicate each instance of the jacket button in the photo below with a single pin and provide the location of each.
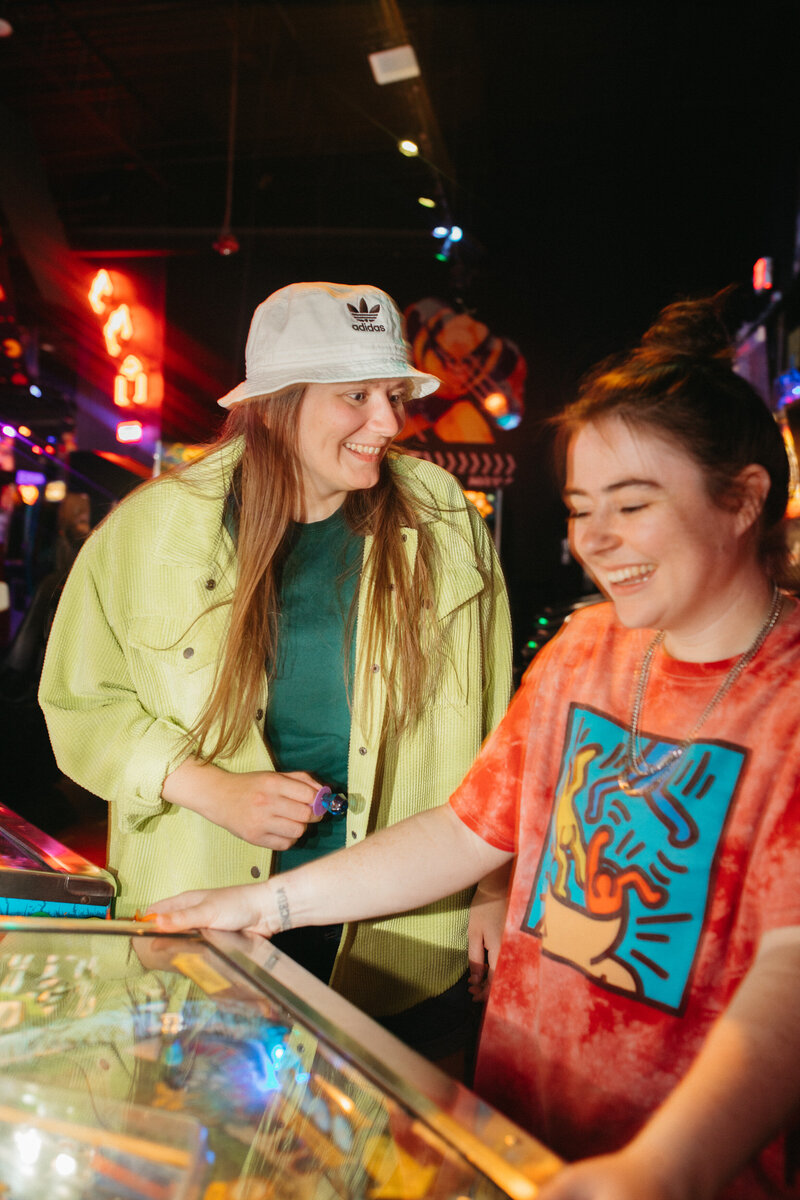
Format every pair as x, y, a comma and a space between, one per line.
354, 834
188, 652
404, 537
375, 667
259, 714
211, 584
255, 872
362, 749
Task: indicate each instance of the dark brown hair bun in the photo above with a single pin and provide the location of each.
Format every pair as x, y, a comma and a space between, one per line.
691, 329
680, 382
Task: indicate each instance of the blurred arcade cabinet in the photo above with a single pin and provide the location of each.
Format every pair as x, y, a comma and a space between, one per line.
30, 782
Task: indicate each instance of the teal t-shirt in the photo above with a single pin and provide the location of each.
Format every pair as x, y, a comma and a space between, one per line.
308, 719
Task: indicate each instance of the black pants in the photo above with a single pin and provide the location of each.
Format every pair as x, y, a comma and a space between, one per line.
314, 947
436, 1027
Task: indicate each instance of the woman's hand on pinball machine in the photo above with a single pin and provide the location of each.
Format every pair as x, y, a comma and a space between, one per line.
249, 907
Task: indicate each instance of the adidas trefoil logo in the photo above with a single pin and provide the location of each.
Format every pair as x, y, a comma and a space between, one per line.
364, 312
364, 317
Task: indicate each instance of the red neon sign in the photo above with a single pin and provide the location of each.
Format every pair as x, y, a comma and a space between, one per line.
129, 431
762, 275
130, 385
131, 335
118, 328
100, 292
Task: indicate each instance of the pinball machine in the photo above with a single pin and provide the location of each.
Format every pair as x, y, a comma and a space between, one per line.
144, 1066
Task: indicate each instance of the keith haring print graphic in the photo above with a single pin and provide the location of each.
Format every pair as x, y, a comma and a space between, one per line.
624, 881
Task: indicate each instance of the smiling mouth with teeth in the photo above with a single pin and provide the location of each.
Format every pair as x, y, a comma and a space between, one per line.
359, 449
631, 574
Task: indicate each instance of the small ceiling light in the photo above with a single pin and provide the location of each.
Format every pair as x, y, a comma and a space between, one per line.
23, 429
449, 234
35, 391
390, 66
426, 202
6, 28
408, 148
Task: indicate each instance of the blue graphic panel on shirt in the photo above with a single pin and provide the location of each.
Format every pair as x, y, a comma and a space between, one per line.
624, 880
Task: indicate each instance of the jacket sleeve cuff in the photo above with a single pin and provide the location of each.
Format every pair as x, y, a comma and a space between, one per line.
160, 751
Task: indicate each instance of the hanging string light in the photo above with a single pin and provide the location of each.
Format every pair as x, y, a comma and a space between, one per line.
226, 243
396, 66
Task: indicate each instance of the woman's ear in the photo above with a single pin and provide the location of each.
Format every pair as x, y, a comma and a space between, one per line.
752, 488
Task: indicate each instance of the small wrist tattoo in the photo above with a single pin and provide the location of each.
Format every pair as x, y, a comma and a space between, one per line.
283, 909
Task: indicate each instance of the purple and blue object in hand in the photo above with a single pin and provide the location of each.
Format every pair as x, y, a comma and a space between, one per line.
327, 801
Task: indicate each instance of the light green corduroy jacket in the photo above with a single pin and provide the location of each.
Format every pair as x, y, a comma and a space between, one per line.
130, 664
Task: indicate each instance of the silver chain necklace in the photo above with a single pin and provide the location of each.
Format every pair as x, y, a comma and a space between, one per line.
636, 771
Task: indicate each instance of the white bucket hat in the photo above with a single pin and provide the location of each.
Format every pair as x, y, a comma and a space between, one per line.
326, 333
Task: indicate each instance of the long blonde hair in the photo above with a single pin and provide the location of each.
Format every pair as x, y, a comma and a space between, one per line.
402, 632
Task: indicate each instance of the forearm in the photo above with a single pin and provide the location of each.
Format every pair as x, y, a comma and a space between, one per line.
741, 1089
496, 884
415, 862
424, 858
201, 787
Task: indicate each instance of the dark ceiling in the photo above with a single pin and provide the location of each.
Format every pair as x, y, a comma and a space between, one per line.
156, 127
602, 156
141, 110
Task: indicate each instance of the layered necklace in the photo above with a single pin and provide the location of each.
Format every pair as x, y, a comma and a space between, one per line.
637, 773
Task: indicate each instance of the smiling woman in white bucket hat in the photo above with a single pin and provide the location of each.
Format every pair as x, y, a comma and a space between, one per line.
301, 607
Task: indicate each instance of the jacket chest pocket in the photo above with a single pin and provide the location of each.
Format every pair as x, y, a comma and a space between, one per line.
458, 615
173, 664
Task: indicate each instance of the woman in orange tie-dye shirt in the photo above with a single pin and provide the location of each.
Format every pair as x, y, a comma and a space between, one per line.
644, 1015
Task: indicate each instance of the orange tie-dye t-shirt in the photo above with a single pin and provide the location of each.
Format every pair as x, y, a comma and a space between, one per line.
634, 914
